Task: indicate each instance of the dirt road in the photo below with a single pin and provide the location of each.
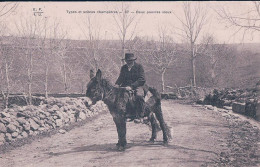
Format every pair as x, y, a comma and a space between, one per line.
200, 138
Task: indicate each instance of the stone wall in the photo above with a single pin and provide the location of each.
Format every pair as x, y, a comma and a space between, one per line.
187, 92
241, 101
23, 121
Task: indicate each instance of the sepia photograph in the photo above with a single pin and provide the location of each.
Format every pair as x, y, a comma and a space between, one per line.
129, 83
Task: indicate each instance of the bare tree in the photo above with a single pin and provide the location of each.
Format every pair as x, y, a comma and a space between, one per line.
65, 69
43, 48
6, 61
50, 47
212, 51
95, 55
165, 55
192, 24
246, 21
91, 31
7, 8
30, 28
126, 22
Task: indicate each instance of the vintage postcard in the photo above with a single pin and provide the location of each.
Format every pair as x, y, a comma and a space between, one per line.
129, 83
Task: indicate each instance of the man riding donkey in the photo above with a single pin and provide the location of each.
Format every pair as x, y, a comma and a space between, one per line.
133, 79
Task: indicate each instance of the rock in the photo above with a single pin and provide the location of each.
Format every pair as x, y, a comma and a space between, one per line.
258, 111
23, 114
62, 131
33, 124
48, 122
39, 122
238, 107
210, 107
55, 108
14, 134
2, 128
22, 120
24, 134
7, 120
2, 120
19, 137
42, 116
196, 105
8, 137
58, 122
19, 108
60, 115
41, 129
227, 107
2, 138
72, 118
82, 115
14, 122
67, 120
35, 133
62, 109
5, 114
65, 108
27, 126
11, 110
47, 114
227, 102
30, 132
11, 128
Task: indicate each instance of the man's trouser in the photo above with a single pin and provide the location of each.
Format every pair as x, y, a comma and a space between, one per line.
140, 101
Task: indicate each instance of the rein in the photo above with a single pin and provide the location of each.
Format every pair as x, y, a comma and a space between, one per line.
105, 93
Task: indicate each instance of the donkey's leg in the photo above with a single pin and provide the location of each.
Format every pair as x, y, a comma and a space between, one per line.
154, 131
121, 131
159, 116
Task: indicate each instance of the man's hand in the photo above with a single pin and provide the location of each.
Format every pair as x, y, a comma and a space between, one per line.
116, 86
128, 88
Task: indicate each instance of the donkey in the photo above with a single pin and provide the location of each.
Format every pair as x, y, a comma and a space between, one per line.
119, 104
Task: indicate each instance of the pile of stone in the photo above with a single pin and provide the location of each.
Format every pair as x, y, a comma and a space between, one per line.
187, 92
241, 101
22, 121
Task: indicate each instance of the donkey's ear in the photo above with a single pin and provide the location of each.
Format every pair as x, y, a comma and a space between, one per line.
91, 74
98, 75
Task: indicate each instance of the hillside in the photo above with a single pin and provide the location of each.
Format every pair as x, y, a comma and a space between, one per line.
69, 64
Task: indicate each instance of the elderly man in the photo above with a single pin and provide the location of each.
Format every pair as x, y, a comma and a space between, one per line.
132, 77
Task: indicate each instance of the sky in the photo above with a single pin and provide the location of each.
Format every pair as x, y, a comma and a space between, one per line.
148, 23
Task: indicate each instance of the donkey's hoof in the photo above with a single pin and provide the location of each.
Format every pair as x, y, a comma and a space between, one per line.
165, 143
151, 140
121, 148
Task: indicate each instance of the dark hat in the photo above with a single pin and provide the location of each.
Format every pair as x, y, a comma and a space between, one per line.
129, 56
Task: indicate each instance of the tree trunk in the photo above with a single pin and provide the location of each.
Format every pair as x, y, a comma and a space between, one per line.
46, 79
65, 77
7, 83
30, 80
193, 64
163, 82
193, 72
123, 50
95, 59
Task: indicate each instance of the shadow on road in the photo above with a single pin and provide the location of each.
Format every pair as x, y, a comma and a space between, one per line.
112, 147
106, 147
101, 147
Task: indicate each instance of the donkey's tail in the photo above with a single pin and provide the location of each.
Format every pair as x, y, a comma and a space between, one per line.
156, 95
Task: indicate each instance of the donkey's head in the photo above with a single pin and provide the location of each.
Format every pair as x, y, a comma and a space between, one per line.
95, 91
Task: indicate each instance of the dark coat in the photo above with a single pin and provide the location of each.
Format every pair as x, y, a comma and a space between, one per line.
134, 78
